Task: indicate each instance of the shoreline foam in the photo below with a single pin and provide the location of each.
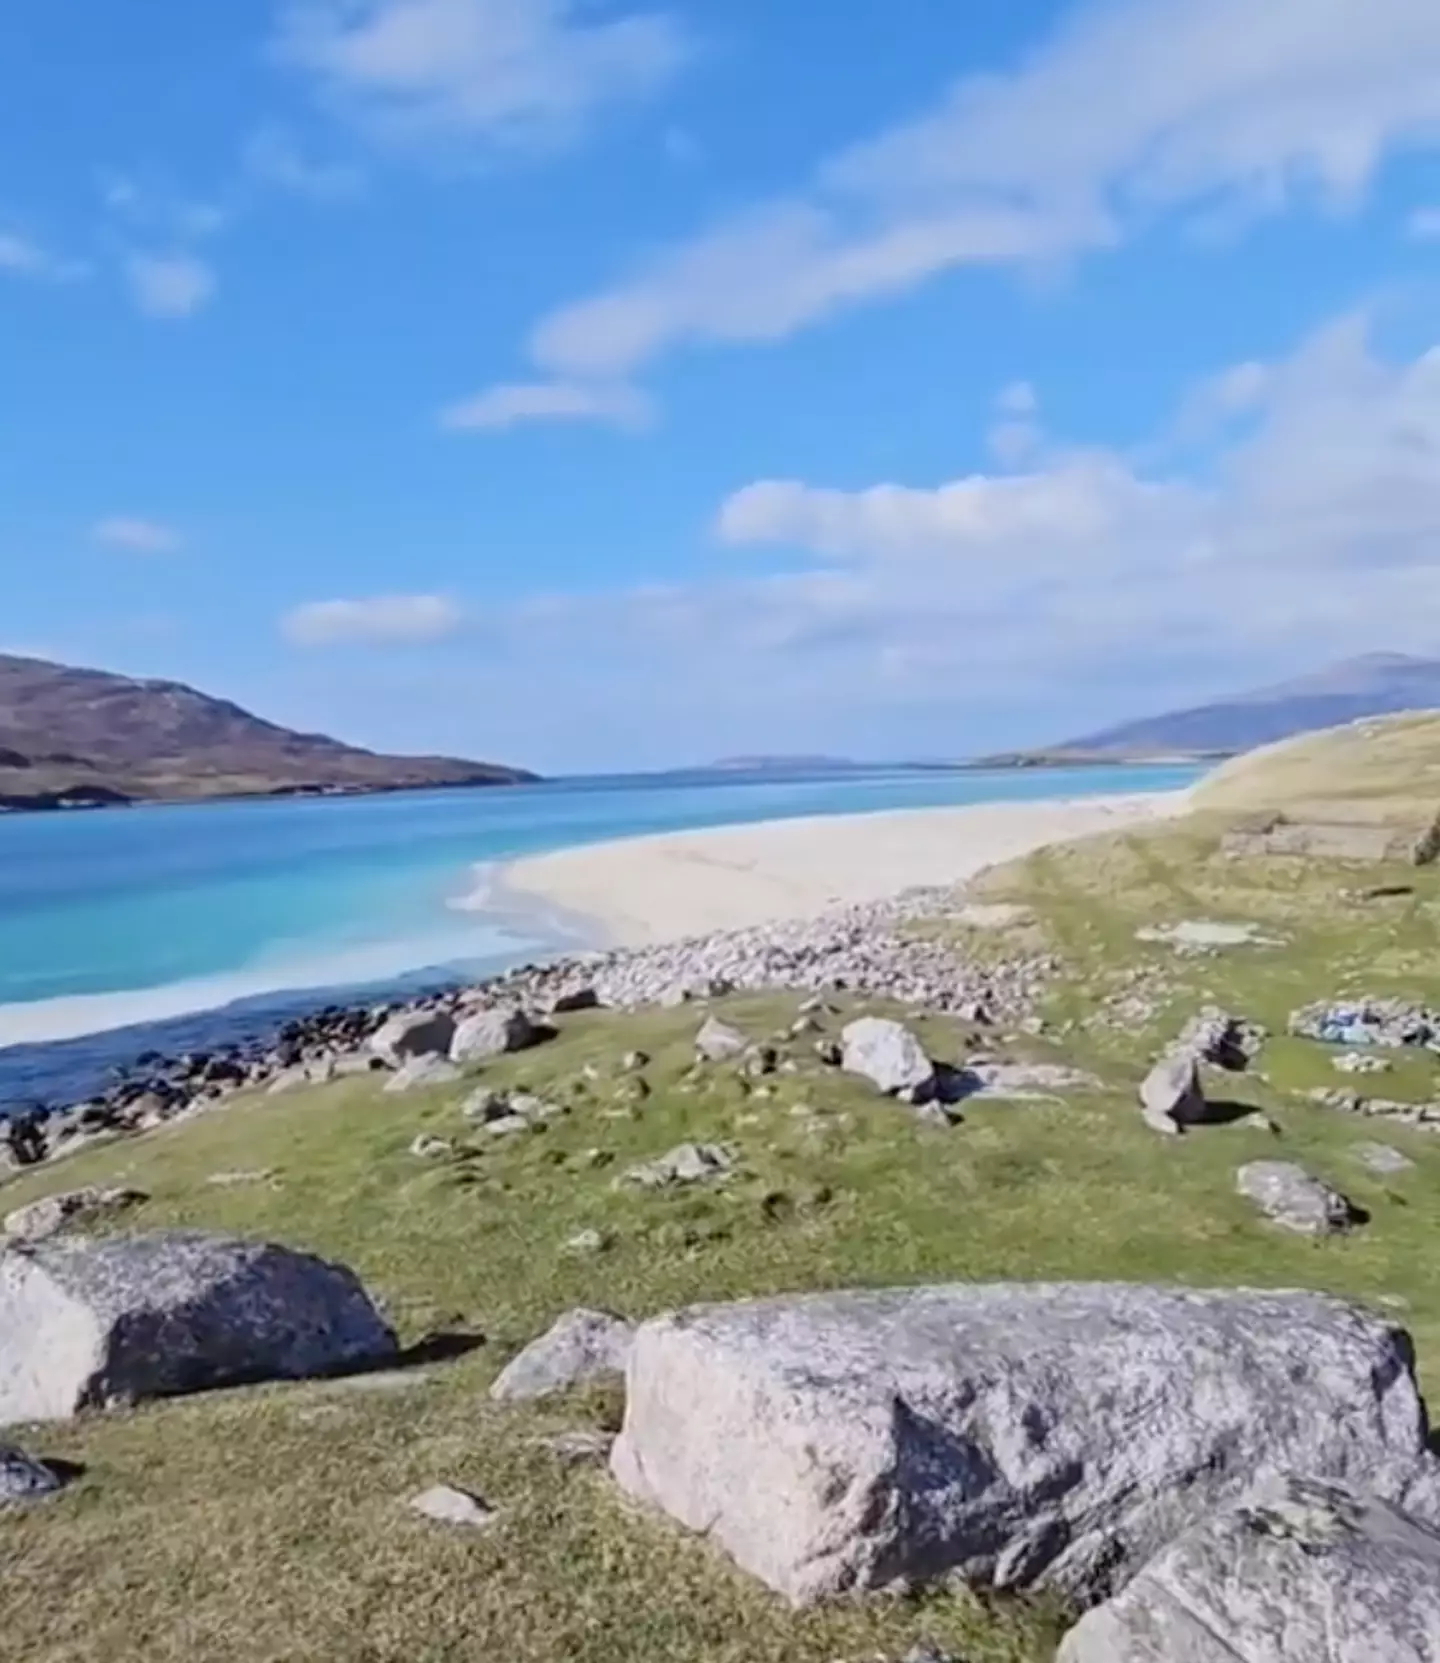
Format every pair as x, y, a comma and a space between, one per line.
642, 891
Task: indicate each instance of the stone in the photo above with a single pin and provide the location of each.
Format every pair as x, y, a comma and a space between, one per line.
421, 1073
1358, 1062
23, 1480
578, 999
888, 1055
581, 1448
583, 1347
1382, 1159
1306, 1572
232, 1180
427, 1148
493, 1033
587, 1242
633, 1061
485, 1105
1290, 1197
1014, 1436
687, 1163
446, 1505
413, 1034
717, 1041
1215, 1036
48, 1217
507, 1126
1021, 1082
1171, 1095
91, 1324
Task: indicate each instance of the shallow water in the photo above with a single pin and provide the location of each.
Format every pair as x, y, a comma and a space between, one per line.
118, 927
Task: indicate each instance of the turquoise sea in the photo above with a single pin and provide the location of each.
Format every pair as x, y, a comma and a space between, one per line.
179, 928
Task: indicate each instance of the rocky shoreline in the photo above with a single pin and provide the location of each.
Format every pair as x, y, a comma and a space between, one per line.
866, 950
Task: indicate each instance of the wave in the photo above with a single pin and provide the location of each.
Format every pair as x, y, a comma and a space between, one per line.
46, 1021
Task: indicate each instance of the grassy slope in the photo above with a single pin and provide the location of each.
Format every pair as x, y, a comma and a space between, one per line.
269, 1524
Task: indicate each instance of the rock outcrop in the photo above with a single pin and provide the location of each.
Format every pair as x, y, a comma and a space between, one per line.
1016, 1436
582, 1348
888, 1055
1289, 1196
1308, 1573
95, 1324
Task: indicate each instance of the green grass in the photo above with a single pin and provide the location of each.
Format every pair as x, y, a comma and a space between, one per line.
269, 1524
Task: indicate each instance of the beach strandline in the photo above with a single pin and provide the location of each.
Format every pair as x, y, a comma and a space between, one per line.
641, 891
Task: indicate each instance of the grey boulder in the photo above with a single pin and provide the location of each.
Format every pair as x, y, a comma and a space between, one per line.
1290, 1197
687, 1163
1171, 1094
492, 1033
583, 1347
54, 1213
888, 1055
717, 1041
1382, 1159
1011, 1436
1306, 1573
413, 1034
420, 1073
94, 1324
24, 1480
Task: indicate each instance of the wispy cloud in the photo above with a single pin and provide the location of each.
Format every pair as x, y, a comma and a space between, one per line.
24, 257
170, 285
138, 536
273, 158
497, 71
1132, 109
547, 401
382, 619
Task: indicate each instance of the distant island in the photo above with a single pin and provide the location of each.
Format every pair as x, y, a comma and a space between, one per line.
75, 738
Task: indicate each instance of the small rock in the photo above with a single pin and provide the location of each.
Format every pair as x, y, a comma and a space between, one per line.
1171, 1095
426, 1148
23, 1480
1258, 1122
507, 1126
48, 1217
485, 1105
232, 1180
493, 1033
581, 1449
1291, 1198
687, 1163
1357, 1062
1381, 1158
583, 1347
446, 1505
633, 1061
717, 1041
420, 1073
887, 1054
1215, 1036
587, 1242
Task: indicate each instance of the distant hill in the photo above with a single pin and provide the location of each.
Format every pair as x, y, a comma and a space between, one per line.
1378, 684
85, 738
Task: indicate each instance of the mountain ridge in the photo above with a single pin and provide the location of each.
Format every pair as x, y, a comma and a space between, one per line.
74, 737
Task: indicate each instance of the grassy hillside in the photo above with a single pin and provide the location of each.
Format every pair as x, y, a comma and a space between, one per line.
270, 1524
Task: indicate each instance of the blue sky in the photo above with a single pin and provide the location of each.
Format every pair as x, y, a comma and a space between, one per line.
595, 386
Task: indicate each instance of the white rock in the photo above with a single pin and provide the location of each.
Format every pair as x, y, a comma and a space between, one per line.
888, 1055
687, 1163
96, 1323
1290, 1197
422, 1073
427, 1148
1171, 1095
413, 1034
446, 1505
48, 1217
1017, 1436
492, 1033
1382, 1159
717, 1041
1306, 1573
583, 1347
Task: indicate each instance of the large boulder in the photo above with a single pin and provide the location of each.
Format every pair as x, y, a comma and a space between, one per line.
492, 1033
422, 1033
1015, 1436
1171, 1095
92, 1324
717, 1041
1308, 1573
1289, 1196
888, 1055
584, 1347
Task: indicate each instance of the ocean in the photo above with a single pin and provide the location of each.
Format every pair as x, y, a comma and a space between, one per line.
184, 928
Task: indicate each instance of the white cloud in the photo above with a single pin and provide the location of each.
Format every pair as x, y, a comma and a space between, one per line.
504, 71
1018, 399
548, 401
380, 620
23, 257
272, 157
169, 286
1131, 109
136, 535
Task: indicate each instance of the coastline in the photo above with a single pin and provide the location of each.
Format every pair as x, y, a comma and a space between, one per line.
646, 891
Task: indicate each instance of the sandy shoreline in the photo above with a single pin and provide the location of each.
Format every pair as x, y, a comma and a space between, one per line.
645, 890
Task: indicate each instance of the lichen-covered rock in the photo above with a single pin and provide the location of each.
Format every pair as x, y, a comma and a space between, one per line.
717, 1041
687, 1163
422, 1033
23, 1480
1290, 1197
583, 1347
888, 1055
1171, 1094
49, 1216
90, 1324
492, 1033
1014, 1436
1306, 1573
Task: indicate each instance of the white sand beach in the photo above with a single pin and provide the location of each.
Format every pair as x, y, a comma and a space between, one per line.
645, 890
